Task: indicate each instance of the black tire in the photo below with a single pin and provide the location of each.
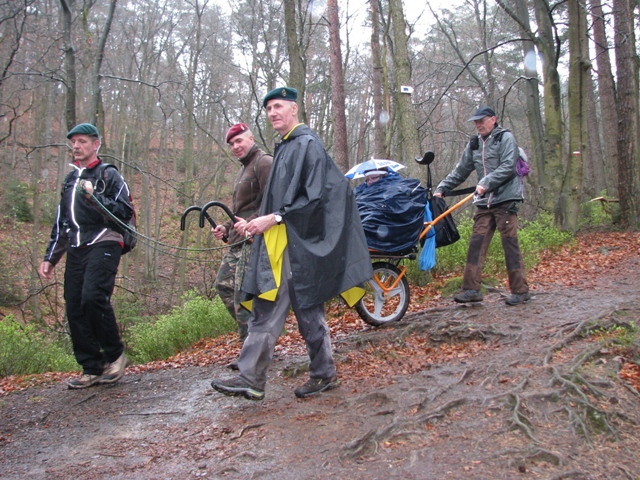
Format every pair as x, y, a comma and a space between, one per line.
374, 308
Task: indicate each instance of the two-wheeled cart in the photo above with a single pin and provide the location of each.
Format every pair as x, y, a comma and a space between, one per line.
387, 294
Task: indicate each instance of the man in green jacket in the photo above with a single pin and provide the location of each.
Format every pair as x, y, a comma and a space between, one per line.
493, 154
308, 247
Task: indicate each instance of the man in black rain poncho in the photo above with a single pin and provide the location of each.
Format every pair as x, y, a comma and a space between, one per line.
308, 247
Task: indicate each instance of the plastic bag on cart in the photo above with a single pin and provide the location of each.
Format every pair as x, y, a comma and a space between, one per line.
427, 258
392, 212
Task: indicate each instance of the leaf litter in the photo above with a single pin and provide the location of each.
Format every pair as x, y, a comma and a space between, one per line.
448, 392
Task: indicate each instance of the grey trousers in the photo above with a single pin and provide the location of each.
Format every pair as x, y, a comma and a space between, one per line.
266, 324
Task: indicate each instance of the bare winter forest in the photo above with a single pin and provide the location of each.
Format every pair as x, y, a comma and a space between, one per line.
543, 390
163, 80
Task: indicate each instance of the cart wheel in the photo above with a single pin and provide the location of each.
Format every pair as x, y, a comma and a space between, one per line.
377, 309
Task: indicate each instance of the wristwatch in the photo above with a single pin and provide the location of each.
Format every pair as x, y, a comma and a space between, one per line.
278, 218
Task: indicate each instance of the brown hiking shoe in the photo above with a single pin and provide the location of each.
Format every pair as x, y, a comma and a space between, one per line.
115, 371
313, 386
84, 381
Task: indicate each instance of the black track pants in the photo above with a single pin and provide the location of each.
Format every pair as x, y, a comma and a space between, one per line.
89, 280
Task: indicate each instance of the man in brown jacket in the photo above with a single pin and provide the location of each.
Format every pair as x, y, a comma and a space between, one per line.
247, 196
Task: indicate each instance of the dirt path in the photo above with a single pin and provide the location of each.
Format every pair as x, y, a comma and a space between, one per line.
526, 395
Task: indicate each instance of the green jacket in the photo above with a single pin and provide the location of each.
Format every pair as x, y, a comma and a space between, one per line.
495, 164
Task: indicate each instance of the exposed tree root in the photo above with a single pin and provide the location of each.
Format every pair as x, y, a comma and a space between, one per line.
589, 402
578, 330
629, 387
448, 329
585, 415
626, 473
369, 442
428, 400
520, 420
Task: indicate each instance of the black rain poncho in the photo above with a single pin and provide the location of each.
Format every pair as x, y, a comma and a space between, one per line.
392, 212
326, 244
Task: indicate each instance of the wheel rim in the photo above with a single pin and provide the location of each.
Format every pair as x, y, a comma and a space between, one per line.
385, 308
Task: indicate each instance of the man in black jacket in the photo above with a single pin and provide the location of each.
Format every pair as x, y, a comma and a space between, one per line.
93, 245
308, 247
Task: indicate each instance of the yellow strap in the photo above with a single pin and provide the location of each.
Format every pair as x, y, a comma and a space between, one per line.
289, 132
353, 295
275, 241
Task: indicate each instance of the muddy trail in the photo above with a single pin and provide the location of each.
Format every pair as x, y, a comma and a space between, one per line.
532, 391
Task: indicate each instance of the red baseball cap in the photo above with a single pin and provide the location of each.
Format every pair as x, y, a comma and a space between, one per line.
237, 129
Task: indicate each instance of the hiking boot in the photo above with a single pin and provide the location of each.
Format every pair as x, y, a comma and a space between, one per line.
84, 381
115, 371
517, 298
235, 387
468, 296
313, 386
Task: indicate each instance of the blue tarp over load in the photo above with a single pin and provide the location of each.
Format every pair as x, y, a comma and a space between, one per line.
392, 212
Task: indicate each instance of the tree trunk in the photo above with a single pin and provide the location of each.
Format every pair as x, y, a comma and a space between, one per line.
297, 69
578, 69
627, 113
95, 78
190, 131
41, 134
594, 173
407, 132
69, 66
488, 84
550, 176
340, 149
608, 113
381, 117
534, 110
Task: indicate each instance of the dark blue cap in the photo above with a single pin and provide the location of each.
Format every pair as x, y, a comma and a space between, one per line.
483, 112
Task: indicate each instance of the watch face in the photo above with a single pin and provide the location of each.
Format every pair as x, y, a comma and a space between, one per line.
278, 218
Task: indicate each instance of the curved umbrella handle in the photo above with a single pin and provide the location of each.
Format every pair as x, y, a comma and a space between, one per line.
183, 219
204, 214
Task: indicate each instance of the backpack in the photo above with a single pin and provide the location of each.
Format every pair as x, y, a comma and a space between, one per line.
522, 163
129, 234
